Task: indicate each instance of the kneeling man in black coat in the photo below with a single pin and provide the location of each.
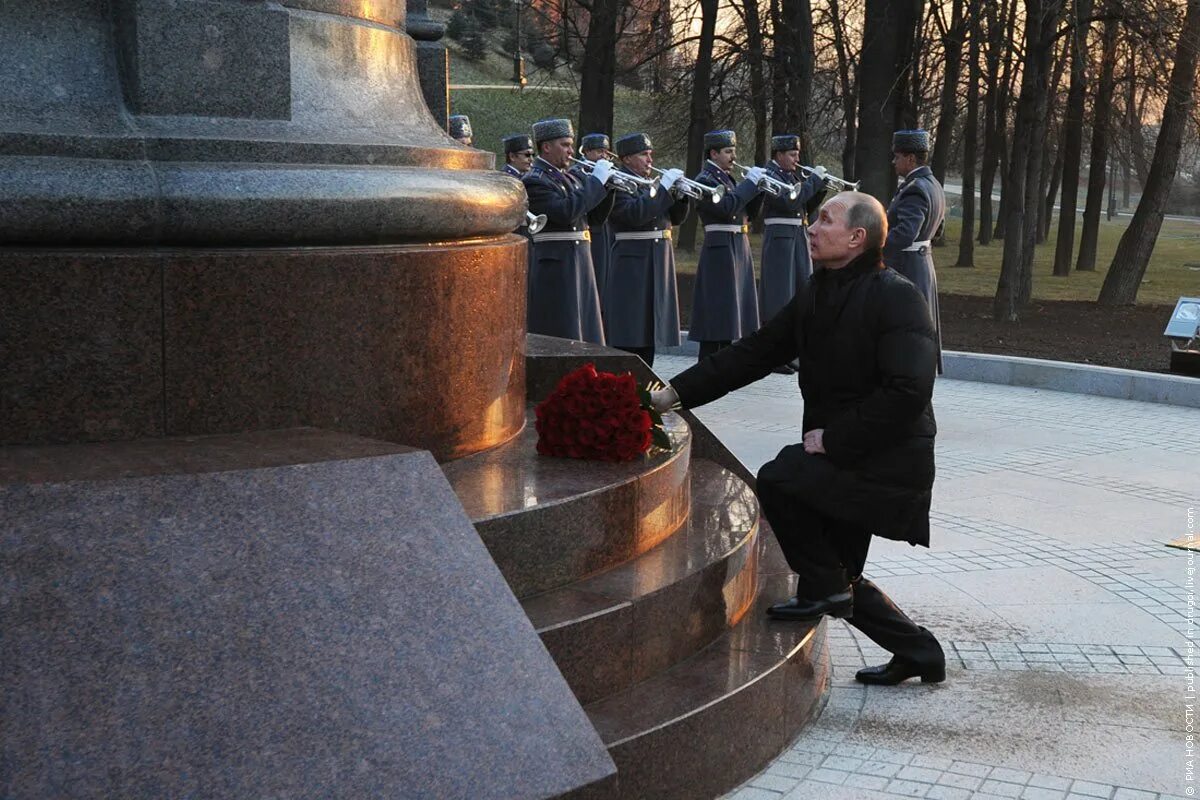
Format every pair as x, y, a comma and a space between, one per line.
867, 351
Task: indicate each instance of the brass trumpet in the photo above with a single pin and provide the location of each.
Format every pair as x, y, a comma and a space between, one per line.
624, 181
684, 186
774, 187
536, 221
696, 190
841, 184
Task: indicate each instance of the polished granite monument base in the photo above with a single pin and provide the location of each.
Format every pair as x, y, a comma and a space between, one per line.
280, 614
648, 582
417, 344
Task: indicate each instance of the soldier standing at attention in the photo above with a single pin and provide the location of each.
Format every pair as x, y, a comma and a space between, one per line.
595, 147
916, 212
786, 265
725, 304
460, 129
562, 284
518, 158
641, 300
518, 154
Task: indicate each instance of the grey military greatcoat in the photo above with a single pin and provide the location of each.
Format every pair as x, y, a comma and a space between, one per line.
602, 237
725, 304
563, 300
641, 299
916, 212
786, 264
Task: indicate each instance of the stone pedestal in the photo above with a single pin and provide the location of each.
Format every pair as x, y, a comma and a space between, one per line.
280, 614
418, 344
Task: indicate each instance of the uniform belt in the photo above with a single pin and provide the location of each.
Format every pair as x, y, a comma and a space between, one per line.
563, 236
727, 228
797, 221
625, 236
917, 247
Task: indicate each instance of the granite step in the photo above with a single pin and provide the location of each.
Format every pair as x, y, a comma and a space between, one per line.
717, 718
549, 522
628, 623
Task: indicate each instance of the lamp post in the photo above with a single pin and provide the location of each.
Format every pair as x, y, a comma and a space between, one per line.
518, 76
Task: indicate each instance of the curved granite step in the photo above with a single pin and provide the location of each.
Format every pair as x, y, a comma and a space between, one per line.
628, 623
550, 521
712, 721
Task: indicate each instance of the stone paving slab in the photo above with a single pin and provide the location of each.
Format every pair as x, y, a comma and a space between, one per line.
1063, 615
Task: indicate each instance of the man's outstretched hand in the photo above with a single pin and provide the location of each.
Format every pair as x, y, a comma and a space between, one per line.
814, 441
663, 399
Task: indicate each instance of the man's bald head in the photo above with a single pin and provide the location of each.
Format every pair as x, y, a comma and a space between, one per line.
849, 224
864, 211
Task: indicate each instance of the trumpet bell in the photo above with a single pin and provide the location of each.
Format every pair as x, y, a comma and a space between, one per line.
536, 221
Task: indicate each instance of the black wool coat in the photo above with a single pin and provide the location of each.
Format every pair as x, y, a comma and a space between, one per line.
865, 342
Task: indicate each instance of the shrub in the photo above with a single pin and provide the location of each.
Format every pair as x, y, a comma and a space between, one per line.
457, 25
474, 46
544, 56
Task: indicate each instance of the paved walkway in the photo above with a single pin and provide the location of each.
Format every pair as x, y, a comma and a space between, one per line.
1065, 620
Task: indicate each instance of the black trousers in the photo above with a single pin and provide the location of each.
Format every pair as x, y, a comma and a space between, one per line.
644, 353
828, 549
708, 348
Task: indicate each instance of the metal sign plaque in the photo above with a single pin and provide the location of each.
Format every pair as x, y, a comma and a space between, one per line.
1185, 319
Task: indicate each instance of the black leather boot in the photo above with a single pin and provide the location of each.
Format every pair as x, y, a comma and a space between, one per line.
799, 608
899, 670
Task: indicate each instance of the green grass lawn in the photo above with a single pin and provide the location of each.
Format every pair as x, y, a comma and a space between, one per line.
1174, 268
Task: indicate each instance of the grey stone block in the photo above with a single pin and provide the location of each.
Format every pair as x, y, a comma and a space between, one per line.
206, 59
314, 630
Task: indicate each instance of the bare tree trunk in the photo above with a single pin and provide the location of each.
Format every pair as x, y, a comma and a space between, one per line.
1137, 243
1098, 165
1023, 187
1072, 150
944, 136
991, 154
882, 90
598, 75
1048, 204
701, 110
793, 67
758, 86
1049, 172
805, 61
966, 241
1007, 83
952, 46
849, 90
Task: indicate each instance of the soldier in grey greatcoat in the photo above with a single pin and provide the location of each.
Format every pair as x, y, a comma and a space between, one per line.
518, 154
725, 304
786, 265
460, 129
641, 299
562, 284
595, 147
916, 212
518, 158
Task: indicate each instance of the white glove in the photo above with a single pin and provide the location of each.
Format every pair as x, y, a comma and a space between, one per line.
820, 172
669, 177
602, 171
665, 398
755, 175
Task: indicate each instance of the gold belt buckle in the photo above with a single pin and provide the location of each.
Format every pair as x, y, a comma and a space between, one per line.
587, 236
745, 228
667, 233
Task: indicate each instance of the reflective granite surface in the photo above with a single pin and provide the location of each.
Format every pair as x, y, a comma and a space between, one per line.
415, 344
549, 521
639, 618
324, 629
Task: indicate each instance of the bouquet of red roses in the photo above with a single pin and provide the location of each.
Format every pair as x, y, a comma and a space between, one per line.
598, 415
